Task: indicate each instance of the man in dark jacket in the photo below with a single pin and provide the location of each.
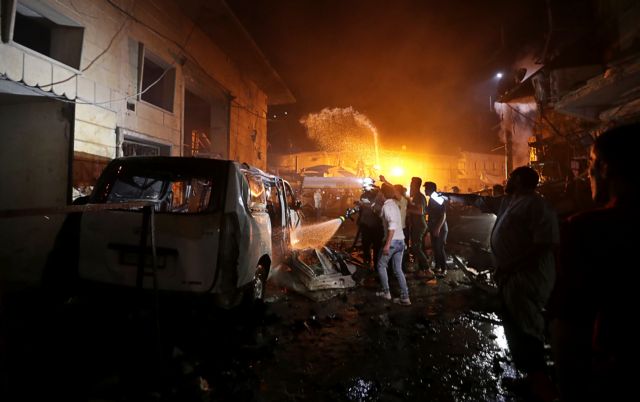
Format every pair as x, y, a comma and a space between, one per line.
523, 241
437, 226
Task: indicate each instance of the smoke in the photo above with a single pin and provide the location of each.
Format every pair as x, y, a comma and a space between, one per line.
519, 118
341, 129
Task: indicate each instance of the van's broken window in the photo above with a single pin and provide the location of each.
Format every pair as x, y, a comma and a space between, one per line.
171, 194
257, 194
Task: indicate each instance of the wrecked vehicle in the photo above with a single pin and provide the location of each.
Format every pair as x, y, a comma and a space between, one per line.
323, 268
218, 227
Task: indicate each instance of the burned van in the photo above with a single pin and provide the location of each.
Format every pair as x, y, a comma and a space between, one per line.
217, 227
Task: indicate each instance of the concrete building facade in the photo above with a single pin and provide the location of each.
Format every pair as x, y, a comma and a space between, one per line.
144, 77
83, 82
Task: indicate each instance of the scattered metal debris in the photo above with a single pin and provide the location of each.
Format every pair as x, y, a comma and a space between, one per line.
323, 268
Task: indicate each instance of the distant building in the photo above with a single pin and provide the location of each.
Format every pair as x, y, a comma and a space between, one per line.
465, 169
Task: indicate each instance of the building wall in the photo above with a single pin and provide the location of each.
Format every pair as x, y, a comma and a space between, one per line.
477, 170
110, 38
35, 134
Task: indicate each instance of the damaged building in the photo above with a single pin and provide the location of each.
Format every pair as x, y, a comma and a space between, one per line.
84, 82
586, 78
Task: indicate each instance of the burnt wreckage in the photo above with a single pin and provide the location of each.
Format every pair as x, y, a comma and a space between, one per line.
208, 227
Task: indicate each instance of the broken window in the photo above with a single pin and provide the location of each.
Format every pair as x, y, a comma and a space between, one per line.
135, 147
257, 196
274, 206
156, 80
172, 194
206, 118
291, 200
41, 28
197, 125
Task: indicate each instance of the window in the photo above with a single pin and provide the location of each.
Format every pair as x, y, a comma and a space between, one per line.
257, 196
42, 29
172, 194
274, 206
156, 80
135, 147
291, 199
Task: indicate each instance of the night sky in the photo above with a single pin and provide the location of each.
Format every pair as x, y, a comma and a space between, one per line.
422, 71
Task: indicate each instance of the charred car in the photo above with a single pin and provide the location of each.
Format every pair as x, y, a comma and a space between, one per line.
217, 228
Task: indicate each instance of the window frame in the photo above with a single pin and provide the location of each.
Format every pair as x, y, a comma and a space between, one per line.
58, 20
158, 61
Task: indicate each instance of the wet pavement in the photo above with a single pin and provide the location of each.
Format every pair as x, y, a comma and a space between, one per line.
343, 345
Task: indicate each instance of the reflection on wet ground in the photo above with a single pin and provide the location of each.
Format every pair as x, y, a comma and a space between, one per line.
446, 346
346, 345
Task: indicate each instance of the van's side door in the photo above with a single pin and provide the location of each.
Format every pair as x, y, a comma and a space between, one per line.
291, 205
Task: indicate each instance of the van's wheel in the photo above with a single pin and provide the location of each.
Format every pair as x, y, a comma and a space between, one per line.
259, 283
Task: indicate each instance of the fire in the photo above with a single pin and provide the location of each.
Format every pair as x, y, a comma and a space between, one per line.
397, 171
354, 138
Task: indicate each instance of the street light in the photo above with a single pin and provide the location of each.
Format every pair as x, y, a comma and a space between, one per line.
498, 75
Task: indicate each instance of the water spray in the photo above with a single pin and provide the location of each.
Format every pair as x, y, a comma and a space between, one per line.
317, 235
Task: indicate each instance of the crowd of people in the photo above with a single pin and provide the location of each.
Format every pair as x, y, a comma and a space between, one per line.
553, 275
392, 227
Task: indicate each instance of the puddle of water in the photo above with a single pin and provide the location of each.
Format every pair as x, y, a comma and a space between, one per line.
361, 389
501, 339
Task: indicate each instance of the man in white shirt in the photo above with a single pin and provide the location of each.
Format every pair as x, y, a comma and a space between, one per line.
393, 247
317, 203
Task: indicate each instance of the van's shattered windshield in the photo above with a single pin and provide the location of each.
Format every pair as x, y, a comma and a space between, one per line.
173, 194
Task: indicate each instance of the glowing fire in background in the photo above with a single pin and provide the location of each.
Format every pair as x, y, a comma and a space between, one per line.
354, 137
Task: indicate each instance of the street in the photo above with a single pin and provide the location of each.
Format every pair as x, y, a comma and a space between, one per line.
346, 345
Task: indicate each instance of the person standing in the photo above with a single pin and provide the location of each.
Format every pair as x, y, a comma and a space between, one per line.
370, 224
317, 203
416, 210
594, 345
403, 202
523, 240
393, 248
437, 226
